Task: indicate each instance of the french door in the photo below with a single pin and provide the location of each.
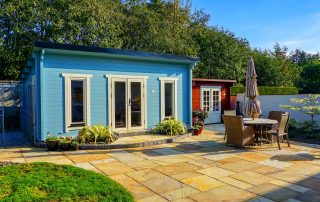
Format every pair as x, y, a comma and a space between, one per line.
128, 104
211, 103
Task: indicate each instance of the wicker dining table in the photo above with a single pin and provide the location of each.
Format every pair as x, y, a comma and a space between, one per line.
259, 123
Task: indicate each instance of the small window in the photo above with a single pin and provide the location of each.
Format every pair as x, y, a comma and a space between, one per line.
168, 97
169, 102
77, 100
77, 103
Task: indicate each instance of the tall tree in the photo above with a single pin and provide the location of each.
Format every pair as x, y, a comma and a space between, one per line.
222, 55
84, 22
274, 68
310, 77
159, 26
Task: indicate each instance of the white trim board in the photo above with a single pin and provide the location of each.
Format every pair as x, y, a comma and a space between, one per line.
76, 75
126, 76
168, 78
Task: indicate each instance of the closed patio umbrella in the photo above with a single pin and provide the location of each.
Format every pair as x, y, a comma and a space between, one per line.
252, 107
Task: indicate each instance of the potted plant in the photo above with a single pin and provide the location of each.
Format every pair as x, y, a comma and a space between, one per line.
65, 144
199, 116
52, 142
197, 127
74, 145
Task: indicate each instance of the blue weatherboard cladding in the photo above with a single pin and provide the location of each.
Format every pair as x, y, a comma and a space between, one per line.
50, 64
53, 87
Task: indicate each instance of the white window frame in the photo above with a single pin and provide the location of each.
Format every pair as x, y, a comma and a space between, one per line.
163, 81
68, 77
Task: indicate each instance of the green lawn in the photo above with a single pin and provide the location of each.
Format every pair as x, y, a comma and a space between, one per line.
51, 182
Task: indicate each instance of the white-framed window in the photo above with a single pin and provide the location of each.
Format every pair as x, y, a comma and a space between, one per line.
168, 96
77, 100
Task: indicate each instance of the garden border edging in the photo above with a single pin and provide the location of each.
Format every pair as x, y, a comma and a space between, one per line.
123, 145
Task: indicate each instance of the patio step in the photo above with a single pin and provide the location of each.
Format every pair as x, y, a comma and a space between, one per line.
130, 133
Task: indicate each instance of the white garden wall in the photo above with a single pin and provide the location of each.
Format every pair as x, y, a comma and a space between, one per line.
273, 102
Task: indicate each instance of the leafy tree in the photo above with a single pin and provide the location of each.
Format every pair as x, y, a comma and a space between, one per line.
308, 105
159, 26
163, 26
78, 22
301, 58
223, 56
274, 68
310, 77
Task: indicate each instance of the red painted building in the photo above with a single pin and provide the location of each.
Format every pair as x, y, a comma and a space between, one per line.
213, 96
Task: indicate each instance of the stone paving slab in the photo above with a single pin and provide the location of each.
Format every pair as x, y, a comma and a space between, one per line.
198, 168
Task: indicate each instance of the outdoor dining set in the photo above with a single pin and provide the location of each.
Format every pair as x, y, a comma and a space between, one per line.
254, 130
247, 131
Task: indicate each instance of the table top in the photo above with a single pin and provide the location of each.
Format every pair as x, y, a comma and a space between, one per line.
259, 121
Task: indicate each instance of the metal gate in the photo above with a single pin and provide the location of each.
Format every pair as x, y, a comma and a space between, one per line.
27, 111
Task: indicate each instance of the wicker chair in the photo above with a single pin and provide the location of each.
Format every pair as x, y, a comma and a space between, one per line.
238, 134
228, 113
274, 115
281, 129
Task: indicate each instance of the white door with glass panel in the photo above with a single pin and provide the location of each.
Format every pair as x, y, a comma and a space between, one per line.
128, 104
211, 103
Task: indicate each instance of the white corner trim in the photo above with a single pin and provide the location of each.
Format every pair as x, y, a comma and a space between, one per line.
168, 78
67, 89
76, 75
126, 76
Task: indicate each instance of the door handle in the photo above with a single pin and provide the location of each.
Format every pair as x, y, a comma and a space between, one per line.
130, 102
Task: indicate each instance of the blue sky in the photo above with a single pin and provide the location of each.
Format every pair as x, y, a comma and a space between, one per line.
293, 23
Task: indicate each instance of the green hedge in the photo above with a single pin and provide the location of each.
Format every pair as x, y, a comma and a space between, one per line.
267, 90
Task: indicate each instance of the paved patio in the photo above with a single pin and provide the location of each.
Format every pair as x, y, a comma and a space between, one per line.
199, 168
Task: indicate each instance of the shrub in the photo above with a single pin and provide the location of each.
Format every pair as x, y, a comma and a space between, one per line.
74, 143
51, 138
170, 127
293, 123
267, 90
96, 133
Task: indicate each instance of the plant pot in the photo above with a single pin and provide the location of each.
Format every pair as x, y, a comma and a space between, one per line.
53, 145
65, 146
74, 147
196, 132
201, 129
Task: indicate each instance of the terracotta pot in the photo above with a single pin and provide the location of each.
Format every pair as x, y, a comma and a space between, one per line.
53, 145
201, 129
196, 132
65, 146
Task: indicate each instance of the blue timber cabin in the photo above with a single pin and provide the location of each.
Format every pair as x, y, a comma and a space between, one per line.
70, 86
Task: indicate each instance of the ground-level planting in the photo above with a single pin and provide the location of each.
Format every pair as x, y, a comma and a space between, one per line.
51, 182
